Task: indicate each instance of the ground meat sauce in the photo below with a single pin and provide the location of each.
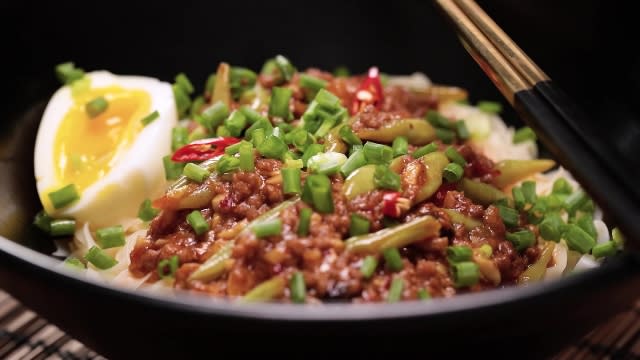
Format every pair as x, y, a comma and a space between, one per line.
330, 272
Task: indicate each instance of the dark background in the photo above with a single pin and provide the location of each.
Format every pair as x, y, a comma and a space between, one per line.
588, 47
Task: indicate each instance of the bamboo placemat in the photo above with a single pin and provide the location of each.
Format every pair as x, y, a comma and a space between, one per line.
26, 336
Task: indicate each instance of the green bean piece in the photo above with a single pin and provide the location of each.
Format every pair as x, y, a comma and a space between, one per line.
267, 290
457, 217
435, 163
215, 265
394, 237
536, 271
512, 171
334, 142
222, 87
479, 192
417, 132
360, 181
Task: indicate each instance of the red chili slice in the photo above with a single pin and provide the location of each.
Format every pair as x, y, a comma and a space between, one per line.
390, 204
369, 92
204, 149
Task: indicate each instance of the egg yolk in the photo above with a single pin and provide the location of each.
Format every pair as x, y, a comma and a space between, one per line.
86, 148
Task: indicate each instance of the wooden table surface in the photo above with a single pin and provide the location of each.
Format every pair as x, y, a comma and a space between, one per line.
24, 335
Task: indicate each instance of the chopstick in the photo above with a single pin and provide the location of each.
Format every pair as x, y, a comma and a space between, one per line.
555, 118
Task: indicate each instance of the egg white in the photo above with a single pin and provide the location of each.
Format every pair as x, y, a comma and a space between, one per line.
136, 174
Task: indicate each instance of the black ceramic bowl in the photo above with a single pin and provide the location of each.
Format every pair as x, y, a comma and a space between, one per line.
161, 40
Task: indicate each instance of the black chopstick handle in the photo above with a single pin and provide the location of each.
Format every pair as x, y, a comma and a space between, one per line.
612, 194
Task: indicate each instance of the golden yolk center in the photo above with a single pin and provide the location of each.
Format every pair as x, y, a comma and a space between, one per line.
87, 148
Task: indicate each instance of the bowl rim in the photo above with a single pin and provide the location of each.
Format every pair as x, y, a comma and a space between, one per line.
326, 312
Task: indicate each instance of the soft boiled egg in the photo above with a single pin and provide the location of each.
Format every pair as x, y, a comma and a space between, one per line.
112, 158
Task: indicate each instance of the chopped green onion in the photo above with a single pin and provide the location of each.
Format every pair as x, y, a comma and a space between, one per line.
96, 106
427, 149
459, 253
423, 294
349, 136
304, 221
236, 122
490, 107
285, 128
325, 126
209, 84
42, 221
437, 120
252, 115
551, 227
317, 192
291, 181
150, 118
267, 228
64, 196
196, 106
585, 222
575, 201
377, 153
617, 237
327, 163
74, 262
395, 291
452, 172
327, 100
258, 136
358, 225
172, 170
355, 148
214, 115
171, 264
509, 216
196, 134
486, 250
385, 178
562, 186
310, 151
465, 273
179, 136
578, 239
462, 130
279, 105
298, 288
67, 73
146, 212
368, 267
521, 239
455, 156
518, 197
445, 135
393, 259
240, 80
80, 86
62, 227
300, 138
196, 172
294, 163
536, 213
246, 158
554, 201
184, 83
111, 237
524, 134
198, 222
312, 83
400, 146
183, 102
608, 248
341, 71
355, 161
234, 148
99, 258
272, 147
529, 192
227, 163
223, 131
286, 68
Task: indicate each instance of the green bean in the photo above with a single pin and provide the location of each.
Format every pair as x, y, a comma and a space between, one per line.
222, 87
395, 237
333, 141
267, 290
417, 132
435, 163
360, 181
537, 270
457, 217
479, 192
512, 171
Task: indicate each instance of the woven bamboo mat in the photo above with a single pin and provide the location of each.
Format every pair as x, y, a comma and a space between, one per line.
26, 336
